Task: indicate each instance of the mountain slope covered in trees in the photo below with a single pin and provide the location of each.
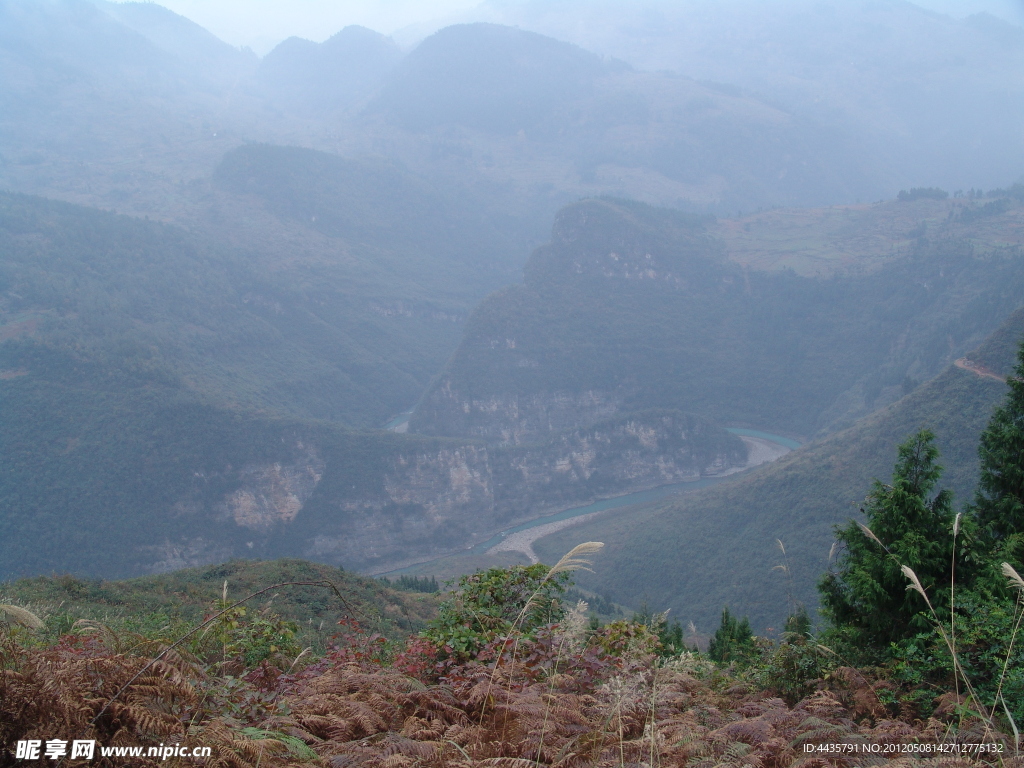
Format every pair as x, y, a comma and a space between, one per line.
632, 307
123, 291
698, 552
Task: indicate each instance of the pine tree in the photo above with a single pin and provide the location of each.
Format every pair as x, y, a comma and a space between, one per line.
733, 639
867, 593
1000, 498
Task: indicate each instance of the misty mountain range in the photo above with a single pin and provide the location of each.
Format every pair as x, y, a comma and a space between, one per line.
576, 241
714, 107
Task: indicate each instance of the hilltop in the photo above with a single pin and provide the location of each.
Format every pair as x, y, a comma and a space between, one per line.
863, 238
187, 596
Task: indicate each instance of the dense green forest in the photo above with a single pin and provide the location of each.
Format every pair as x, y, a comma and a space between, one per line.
695, 552
145, 372
132, 294
112, 473
639, 307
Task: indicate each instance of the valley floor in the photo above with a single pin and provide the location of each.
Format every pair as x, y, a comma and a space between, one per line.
759, 451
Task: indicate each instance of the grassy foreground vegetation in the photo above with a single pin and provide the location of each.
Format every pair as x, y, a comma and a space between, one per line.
506, 674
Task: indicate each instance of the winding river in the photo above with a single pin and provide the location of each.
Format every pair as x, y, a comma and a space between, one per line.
763, 447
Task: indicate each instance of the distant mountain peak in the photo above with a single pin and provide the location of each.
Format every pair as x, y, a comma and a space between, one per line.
488, 77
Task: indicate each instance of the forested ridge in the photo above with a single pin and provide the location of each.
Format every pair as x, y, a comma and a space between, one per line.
641, 307
697, 552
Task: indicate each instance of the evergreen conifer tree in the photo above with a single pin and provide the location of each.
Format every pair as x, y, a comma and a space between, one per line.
733, 639
1000, 498
867, 593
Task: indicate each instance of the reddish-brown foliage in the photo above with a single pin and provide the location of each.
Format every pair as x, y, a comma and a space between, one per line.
543, 702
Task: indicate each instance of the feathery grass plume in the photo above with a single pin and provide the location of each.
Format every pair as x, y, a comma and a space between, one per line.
916, 584
1011, 573
1009, 718
952, 597
26, 618
871, 535
574, 626
1016, 582
575, 560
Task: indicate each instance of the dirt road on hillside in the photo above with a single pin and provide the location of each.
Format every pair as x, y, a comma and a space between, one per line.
977, 369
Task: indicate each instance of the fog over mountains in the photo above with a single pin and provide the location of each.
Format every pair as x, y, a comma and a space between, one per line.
567, 246
930, 96
784, 103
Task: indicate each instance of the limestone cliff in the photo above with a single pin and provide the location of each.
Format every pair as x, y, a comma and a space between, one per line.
511, 418
621, 455
415, 498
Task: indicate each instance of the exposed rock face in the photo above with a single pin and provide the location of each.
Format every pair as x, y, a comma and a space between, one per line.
465, 481
510, 418
429, 503
374, 505
186, 552
273, 493
613, 457
432, 503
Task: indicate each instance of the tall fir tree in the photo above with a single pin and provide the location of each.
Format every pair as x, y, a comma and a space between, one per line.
866, 595
1000, 499
733, 639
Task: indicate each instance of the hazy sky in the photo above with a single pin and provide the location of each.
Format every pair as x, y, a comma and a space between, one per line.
261, 24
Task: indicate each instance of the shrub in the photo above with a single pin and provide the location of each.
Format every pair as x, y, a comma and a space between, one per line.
906, 526
490, 604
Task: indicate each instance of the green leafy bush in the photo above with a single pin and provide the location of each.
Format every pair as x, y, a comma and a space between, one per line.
989, 652
492, 603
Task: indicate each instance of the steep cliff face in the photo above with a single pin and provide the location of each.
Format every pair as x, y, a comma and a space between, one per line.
372, 502
513, 381
273, 493
617, 456
436, 501
511, 418
427, 502
630, 308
